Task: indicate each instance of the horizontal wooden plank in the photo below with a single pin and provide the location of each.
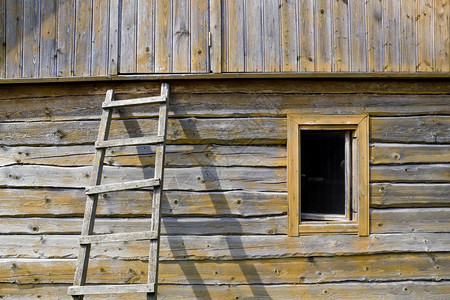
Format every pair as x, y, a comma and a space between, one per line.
176, 155
222, 247
409, 195
411, 173
409, 153
399, 220
192, 179
111, 289
88, 107
70, 202
347, 290
381, 267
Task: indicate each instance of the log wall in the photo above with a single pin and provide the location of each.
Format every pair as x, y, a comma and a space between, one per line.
224, 220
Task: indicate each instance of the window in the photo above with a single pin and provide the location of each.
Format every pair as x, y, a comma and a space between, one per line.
328, 174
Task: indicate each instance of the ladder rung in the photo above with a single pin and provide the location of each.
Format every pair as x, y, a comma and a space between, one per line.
146, 140
115, 187
118, 237
132, 102
111, 289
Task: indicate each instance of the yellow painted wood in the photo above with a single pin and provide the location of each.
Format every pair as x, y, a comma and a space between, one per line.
14, 39
306, 43
271, 36
442, 35
31, 38
128, 37
182, 35
83, 38
374, 21
146, 37
323, 37
199, 36
254, 60
340, 33
289, 38
65, 38
163, 36
408, 34
425, 35
100, 31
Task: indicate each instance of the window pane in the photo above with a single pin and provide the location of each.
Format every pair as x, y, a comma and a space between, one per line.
322, 172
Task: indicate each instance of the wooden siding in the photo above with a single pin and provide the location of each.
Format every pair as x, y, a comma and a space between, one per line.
64, 38
225, 211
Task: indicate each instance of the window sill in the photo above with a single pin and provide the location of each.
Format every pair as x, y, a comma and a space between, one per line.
311, 227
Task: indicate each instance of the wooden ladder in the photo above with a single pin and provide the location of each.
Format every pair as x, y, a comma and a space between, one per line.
87, 238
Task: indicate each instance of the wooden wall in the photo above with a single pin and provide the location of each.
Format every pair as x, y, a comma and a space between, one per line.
224, 213
63, 38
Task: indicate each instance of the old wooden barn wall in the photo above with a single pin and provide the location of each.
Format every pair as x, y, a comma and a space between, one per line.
224, 213
63, 38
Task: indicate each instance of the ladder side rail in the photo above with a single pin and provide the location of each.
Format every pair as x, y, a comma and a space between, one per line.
91, 201
157, 192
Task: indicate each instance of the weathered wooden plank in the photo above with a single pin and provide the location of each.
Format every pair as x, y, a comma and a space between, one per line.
411, 173
254, 36
215, 27
31, 38
65, 37
323, 37
48, 44
409, 195
196, 178
223, 248
163, 36
425, 35
14, 39
2, 38
374, 21
421, 266
83, 38
398, 220
176, 156
391, 35
146, 36
341, 51
100, 33
224, 105
235, 36
409, 153
357, 29
289, 37
113, 44
199, 36
128, 37
442, 36
408, 42
271, 36
386, 290
411, 129
306, 31
182, 36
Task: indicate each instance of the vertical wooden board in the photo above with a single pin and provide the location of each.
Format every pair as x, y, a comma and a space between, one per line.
306, 35
340, 35
271, 36
83, 35
14, 38
65, 37
128, 37
199, 36
358, 54
100, 33
215, 27
31, 35
391, 35
425, 36
48, 52
2, 38
235, 39
374, 19
145, 37
224, 33
163, 38
289, 51
408, 35
182, 35
113, 47
253, 36
323, 35
441, 35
